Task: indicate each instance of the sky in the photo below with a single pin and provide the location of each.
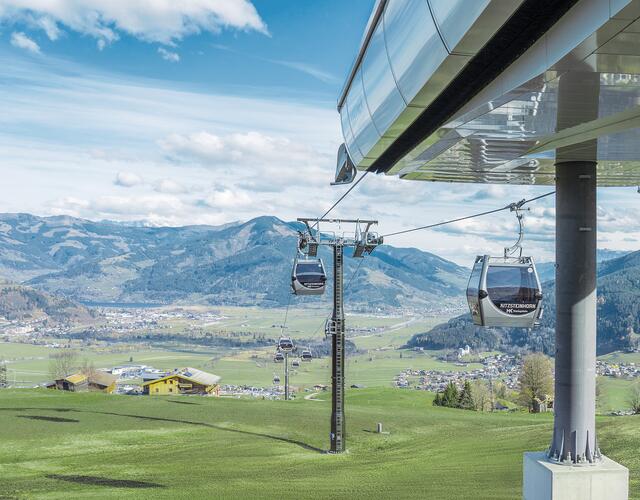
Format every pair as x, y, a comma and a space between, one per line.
215, 111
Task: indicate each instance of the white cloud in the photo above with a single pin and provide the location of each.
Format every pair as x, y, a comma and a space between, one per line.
49, 26
168, 55
310, 70
243, 148
164, 21
127, 179
303, 67
22, 41
169, 186
228, 199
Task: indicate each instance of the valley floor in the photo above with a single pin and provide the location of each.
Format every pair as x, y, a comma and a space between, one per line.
65, 445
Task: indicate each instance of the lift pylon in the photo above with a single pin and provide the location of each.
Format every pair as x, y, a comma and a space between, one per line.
363, 241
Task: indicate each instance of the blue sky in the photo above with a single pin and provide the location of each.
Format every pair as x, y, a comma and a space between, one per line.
212, 111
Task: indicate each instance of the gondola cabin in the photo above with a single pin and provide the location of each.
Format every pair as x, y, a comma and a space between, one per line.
285, 344
308, 277
276, 379
295, 363
504, 292
306, 355
278, 357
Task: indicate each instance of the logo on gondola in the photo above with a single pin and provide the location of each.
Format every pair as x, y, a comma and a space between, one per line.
517, 308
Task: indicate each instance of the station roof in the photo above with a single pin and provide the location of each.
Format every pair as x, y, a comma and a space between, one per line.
468, 90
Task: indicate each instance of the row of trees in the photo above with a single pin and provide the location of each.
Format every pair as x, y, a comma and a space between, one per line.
536, 385
478, 395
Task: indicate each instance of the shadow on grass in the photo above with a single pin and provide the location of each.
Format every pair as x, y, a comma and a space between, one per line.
182, 402
50, 419
103, 481
295, 442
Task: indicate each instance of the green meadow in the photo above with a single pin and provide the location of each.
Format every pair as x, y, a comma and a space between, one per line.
59, 445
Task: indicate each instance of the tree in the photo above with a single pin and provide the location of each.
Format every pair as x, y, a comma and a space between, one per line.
450, 396
500, 389
437, 400
87, 368
482, 400
633, 399
536, 379
465, 400
62, 363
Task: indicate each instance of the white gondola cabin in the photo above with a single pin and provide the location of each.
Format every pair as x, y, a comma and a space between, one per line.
308, 277
504, 292
285, 344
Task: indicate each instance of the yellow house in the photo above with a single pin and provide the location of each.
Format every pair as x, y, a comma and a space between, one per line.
183, 381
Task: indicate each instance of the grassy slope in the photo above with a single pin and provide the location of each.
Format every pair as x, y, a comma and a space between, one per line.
224, 448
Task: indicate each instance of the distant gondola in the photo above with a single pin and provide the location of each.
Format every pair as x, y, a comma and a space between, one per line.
504, 291
308, 277
285, 344
295, 363
278, 357
276, 379
306, 355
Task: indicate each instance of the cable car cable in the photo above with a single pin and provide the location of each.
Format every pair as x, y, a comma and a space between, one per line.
341, 198
507, 207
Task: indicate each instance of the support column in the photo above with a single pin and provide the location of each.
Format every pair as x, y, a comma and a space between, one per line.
574, 435
573, 468
337, 364
286, 376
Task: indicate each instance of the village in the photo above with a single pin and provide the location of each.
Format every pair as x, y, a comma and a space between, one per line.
503, 367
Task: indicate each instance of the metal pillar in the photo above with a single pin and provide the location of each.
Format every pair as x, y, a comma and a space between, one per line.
574, 434
337, 362
3, 376
286, 376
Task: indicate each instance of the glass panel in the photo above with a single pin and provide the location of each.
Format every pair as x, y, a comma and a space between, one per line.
349, 142
455, 17
310, 268
362, 126
307, 279
512, 288
474, 282
383, 97
414, 45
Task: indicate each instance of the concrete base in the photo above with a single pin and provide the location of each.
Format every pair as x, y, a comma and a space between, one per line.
544, 480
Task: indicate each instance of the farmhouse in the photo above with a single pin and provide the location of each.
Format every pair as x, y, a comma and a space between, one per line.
183, 381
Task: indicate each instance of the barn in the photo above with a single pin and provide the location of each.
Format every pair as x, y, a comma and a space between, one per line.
79, 382
74, 383
102, 381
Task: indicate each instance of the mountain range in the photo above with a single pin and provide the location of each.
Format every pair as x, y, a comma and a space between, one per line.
237, 264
